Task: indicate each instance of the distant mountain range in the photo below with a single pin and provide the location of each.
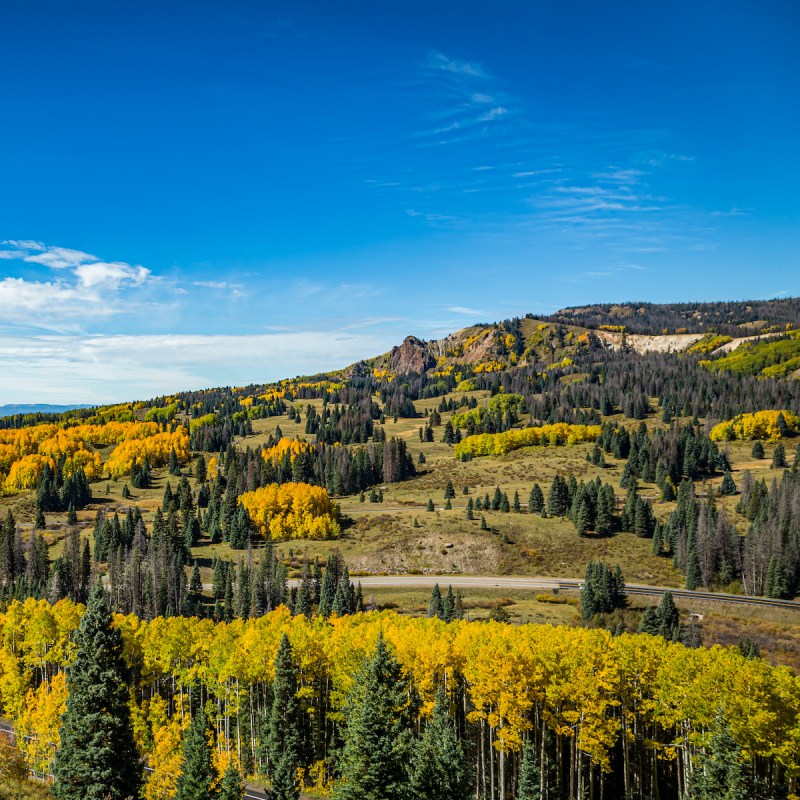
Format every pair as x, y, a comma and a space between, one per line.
10, 409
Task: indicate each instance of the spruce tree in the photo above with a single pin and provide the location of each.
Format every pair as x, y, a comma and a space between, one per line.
722, 772
439, 770
727, 487
649, 622
536, 500
231, 787
758, 450
435, 603
668, 618
377, 740
779, 456
282, 739
197, 772
97, 759
693, 576
529, 787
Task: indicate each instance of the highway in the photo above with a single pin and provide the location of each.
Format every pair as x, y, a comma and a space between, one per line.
543, 585
549, 584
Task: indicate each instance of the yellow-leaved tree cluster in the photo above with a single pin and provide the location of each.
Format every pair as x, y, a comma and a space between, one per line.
24, 452
292, 511
155, 449
766, 425
596, 697
497, 444
284, 446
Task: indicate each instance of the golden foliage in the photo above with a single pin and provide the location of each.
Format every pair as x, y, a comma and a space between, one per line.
581, 683
497, 444
758, 425
292, 511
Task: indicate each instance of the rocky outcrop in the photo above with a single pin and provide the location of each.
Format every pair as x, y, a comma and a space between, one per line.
412, 356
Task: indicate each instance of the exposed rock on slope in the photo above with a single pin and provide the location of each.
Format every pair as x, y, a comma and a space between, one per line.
412, 356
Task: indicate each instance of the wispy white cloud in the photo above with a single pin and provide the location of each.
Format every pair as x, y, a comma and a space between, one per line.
470, 312
96, 369
439, 61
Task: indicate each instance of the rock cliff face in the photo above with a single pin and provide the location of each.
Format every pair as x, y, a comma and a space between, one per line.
412, 356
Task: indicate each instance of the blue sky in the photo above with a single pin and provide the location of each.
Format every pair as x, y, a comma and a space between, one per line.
196, 194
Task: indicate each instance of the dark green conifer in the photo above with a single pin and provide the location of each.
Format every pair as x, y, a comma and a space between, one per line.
529, 787
727, 487
282, 740
377, 736
231, 786
536, 500
197, 772
97, 759
439, 770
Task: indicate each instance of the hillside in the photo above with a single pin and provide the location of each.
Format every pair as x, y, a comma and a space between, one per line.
473, 479
736, 318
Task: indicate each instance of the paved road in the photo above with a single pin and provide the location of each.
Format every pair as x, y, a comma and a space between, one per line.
544, 584
548, 584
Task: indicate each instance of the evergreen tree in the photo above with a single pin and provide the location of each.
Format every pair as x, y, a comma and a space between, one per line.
693, 576
97, 759
649, 622
282, 740
377, 740
779, 456
727, 487
722, 772
430, 505
758, 450
439, 770
197, 772
536, 500
449, 491
668, 618
435, 604
529, 787
231, 787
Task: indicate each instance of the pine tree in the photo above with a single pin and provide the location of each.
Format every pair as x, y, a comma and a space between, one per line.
449, 491
693, 576
430, 505
435, 603
536, 500
722, 772
727, 487
231, 787
97, 759
282, 741
197, 773
758, 450
439, 771
779, 456
529, 787
668, 618
377, 740
649, 622
516, 504
470, 513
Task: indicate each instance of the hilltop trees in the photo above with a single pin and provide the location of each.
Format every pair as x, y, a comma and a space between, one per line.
97, 759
